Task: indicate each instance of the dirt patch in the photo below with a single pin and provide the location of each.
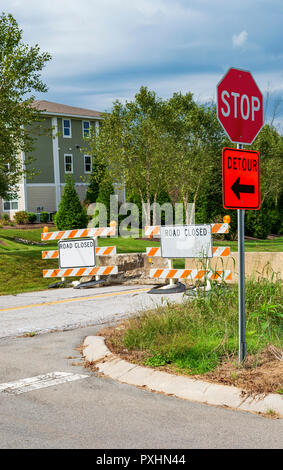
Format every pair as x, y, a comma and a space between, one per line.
261, 374
3, 243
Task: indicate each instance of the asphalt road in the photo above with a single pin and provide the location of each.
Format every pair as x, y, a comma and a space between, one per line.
68, 308
98, 413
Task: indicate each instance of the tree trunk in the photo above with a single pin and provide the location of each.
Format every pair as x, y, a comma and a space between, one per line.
185, 199
154, 209
145, 209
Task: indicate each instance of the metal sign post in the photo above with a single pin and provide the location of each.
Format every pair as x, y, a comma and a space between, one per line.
241, 283
240, 112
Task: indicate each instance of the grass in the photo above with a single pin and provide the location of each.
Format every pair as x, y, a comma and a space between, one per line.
128, 245
195, 336
21, 271
275, 244
21, 265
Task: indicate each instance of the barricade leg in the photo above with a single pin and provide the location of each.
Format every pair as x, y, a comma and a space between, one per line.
208, 283
170, 266
97, 278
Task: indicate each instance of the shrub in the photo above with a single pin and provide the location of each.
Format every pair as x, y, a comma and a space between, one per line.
258, 223
44, 217
5, 218
31, 217
71, 214
21, 217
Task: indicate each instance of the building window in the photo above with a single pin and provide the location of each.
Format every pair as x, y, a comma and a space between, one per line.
88, 166
67, 132
68, 160
10, 205
86, 128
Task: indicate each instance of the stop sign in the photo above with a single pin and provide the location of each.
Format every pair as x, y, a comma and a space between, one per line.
240, 106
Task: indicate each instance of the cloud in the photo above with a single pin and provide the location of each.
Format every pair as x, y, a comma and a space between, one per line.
103, 50
238, 40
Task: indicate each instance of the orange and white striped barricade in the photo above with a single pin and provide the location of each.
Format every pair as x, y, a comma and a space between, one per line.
70, 272
76, 240
192, 274
78, 233
218, 251
99, 251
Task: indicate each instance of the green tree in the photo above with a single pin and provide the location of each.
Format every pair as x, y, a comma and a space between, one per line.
198, 138
105, 191
20, 67
135, 146
71, 214
96, 178
269, 143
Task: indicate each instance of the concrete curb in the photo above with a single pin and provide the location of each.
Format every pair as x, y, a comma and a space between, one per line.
95, 350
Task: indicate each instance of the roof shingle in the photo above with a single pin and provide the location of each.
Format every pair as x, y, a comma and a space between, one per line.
63, 109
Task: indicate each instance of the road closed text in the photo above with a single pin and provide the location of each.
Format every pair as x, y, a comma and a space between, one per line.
77, 253
77, 244
186, 241
186, 231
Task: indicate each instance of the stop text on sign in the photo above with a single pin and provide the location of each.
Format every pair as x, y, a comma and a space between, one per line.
239, 105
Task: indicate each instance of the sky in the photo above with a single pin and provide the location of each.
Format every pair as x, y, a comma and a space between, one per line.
103, 50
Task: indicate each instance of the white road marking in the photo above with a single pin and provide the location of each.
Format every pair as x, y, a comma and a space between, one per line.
39, 381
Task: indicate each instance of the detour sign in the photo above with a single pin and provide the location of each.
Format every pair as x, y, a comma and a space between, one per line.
241, 179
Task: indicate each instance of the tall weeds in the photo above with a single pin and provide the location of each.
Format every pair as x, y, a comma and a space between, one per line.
196, 334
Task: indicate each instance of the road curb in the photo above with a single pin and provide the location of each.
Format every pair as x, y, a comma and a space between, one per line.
110, 365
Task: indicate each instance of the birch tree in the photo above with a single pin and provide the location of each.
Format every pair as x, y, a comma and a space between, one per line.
135, 145
198, 139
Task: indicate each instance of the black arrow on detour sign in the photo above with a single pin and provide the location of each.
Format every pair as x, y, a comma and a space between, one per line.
238, 188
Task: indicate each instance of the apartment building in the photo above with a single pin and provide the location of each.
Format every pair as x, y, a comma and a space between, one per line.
58, 152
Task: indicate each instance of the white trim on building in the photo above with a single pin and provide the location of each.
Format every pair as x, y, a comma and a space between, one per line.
55, 151
78, 116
